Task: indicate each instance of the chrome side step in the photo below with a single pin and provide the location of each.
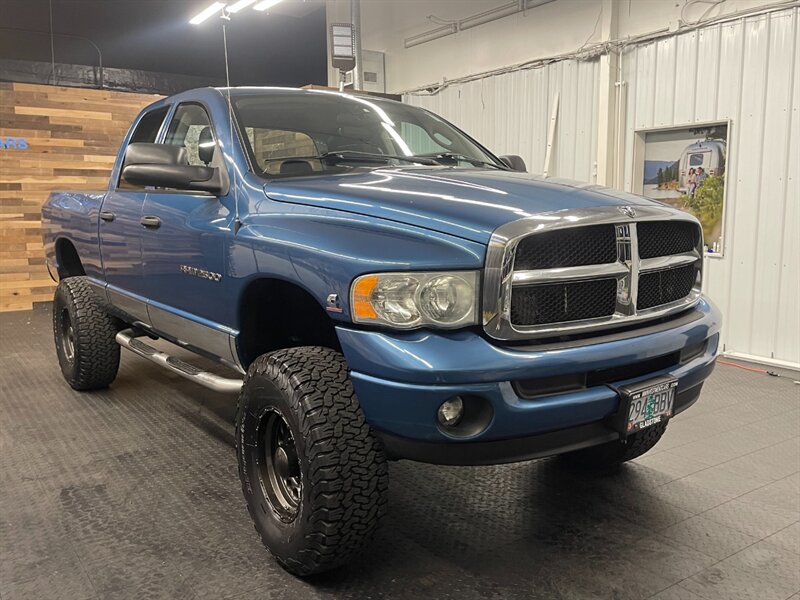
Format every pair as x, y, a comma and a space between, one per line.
129, 339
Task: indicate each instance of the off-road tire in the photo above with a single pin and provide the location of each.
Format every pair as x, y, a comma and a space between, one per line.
90, 360
613, 454
342, 465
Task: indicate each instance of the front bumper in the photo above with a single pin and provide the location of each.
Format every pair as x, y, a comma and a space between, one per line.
514, 449
401, 379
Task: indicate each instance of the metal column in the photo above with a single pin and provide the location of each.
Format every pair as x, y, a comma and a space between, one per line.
355, 16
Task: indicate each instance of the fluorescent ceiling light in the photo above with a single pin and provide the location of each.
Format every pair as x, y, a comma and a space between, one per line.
206, 13
237, 6
265, 4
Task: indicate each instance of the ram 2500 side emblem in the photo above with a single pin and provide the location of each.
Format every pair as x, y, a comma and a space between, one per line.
201, 273
628, 211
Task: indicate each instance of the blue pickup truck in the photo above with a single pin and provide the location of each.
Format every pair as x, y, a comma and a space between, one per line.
381, 287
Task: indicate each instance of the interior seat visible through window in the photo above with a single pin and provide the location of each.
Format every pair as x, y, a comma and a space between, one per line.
271, 146
191, 128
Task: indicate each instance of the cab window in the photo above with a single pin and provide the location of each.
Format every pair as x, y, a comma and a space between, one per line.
191, 128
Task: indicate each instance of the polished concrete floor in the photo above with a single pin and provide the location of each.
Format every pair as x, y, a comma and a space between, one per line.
133, 493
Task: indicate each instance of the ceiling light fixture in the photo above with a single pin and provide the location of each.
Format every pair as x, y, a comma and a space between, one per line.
206, 13
237, 6
265, 4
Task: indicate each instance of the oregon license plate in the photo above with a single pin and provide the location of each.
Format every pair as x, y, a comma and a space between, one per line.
650, 404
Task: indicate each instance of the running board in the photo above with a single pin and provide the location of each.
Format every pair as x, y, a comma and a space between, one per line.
129, 339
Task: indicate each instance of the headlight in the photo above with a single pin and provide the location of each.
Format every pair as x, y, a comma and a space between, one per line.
408, 300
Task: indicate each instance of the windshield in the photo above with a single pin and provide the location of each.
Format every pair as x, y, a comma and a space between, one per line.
296, 134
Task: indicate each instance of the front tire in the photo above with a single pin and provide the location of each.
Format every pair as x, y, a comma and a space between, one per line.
612, 454
313, 474
84, 335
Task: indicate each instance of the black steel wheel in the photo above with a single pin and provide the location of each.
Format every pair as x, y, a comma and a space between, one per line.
279, 474
67, 336
84, 335
313, 475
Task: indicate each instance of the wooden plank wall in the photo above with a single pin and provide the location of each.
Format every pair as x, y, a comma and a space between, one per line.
72, 137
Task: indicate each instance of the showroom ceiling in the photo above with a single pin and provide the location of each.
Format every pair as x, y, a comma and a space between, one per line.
284, 46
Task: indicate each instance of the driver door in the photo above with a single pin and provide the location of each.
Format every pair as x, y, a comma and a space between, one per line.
184, 243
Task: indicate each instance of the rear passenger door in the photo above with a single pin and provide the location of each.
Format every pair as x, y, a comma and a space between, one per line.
121, 230
183, 244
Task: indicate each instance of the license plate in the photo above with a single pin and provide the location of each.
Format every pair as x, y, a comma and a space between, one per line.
650, 404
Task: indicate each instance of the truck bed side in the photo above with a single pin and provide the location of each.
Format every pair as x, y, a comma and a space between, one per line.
70, 220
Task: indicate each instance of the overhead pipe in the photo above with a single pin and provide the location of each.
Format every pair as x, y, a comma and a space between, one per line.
429, 36
499, 12
493, 14
600, 48
66, 35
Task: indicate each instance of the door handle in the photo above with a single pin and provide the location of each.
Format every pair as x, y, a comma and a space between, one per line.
151, 222
107, 215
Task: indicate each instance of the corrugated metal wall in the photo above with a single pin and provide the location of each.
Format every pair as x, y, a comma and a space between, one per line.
510, 113
748, 71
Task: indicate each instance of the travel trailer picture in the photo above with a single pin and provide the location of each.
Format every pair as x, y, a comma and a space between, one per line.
685, 168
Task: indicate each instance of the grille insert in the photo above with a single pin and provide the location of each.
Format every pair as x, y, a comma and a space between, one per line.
663, 238
591, 245
560, 302
661, 287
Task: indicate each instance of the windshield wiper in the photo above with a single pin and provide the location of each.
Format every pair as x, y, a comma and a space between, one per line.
356, 156
454, 156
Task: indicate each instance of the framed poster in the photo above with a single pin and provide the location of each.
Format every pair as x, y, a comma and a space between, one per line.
685, 167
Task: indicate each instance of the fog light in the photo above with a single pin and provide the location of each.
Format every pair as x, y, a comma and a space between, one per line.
451, 411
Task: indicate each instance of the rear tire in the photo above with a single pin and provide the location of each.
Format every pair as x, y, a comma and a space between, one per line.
84, 335
613, 454
313, 474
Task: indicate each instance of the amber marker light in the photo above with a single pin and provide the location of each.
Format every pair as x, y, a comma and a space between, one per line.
362, 291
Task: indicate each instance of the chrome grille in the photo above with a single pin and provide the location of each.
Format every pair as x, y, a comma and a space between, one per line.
575, 271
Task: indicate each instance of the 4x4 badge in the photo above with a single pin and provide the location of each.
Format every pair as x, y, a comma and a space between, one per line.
628, 211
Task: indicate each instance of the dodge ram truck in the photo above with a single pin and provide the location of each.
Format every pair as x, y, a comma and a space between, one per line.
380, 286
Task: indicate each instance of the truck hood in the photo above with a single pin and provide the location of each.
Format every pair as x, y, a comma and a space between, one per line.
463, 202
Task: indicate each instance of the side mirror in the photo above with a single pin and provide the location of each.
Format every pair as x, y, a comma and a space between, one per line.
514, 162
165, 166
176, 177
